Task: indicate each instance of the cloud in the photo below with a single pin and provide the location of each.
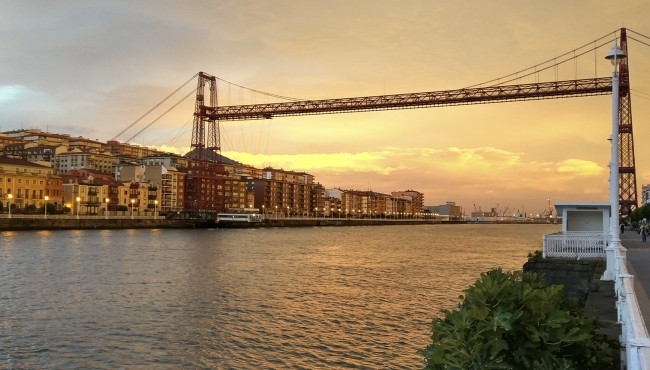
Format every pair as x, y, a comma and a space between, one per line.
579, 167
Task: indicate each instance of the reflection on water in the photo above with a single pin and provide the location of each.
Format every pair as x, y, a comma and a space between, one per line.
347, 297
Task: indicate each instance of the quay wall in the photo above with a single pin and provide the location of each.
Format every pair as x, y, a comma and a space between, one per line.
576, 276
15, 224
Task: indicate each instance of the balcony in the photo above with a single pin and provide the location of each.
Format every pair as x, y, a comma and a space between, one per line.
575, 244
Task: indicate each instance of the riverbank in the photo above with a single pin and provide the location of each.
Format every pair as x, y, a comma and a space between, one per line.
90, 222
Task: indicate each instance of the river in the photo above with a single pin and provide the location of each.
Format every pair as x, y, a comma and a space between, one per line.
276, 298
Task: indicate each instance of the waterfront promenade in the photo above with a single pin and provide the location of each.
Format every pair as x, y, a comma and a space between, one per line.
638, 264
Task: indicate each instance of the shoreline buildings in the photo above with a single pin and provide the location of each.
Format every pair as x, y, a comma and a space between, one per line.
91, 177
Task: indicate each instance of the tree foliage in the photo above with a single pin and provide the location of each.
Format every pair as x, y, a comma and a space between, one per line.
513, 321
640, 213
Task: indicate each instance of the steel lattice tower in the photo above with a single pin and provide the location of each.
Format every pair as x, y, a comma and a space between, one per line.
626, 169
204, 189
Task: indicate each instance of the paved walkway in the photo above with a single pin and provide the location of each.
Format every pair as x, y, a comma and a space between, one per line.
638, 264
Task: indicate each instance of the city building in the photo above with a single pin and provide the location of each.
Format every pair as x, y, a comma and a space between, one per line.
90, 159
166, 159
283, 193
44, 154
18, 150
449, 209
25, 181
417, 199
645, 194
132, 151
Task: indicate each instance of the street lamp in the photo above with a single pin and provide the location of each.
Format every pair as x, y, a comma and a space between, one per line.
9, 196
78, 199
132, 205
332, 212
276, 212
46, 199
316, 212
615, 55
106, 200
155, 208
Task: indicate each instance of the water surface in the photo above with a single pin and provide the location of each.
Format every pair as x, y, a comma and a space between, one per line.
276, 298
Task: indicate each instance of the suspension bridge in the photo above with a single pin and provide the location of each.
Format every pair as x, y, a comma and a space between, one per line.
204, 172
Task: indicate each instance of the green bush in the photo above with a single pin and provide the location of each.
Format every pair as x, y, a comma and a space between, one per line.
121, 208
513, 321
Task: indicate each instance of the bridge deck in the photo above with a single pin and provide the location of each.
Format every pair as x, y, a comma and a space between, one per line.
638, 264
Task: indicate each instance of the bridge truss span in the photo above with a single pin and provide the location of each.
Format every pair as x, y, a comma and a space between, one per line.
467, 96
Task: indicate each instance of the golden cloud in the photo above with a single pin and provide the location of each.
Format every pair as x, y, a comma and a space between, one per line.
579, 167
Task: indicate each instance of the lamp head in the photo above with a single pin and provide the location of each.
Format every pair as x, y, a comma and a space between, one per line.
615, 54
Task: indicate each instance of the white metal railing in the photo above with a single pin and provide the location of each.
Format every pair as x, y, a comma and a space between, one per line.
575, 244
634, 337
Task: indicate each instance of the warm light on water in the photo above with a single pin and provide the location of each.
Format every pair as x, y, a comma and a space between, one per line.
312, 298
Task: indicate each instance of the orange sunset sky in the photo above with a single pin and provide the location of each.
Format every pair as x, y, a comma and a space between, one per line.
92, 68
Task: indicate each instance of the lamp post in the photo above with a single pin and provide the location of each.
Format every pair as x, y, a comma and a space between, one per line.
9, 196
276, 212
316, 212
132, 205
615, 55
332, 212
264, 211
77, 213
106, 200
155, 208
45, 206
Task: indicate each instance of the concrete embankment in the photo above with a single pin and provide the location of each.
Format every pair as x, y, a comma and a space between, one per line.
54, 223
332, 222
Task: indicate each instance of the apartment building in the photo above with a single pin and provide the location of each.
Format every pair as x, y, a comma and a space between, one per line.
168, 179
417, 199
84, 143
282, 192
91, 159
18, 150
46, 138
119, 149
167, 160
84, 197
317, 199
44, 154
23, 183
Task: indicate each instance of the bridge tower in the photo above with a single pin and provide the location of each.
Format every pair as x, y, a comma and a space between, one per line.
204, 182
626, 169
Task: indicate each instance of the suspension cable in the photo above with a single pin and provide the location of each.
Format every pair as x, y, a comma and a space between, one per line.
260, 92
161, 116
632, 38
156, 106
545, 62
640, 34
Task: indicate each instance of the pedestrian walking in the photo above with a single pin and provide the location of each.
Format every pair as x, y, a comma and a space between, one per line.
622, 229
644, 232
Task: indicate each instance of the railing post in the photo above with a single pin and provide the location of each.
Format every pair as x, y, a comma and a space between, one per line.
610, 272
544, 246
633, 352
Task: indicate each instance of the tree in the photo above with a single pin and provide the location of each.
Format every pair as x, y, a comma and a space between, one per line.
122, 208
513, 321
65, 209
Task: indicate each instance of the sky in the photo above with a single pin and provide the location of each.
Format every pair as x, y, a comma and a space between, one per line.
92, 68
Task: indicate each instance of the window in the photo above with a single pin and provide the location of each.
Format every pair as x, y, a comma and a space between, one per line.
41, 183
20, 181
34, 181
9, 179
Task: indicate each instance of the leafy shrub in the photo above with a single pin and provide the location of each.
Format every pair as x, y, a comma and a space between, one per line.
513, 321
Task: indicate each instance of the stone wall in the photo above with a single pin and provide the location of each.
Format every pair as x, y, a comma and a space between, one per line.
576, 276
